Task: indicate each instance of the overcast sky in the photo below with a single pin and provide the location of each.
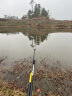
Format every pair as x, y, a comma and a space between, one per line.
59, 9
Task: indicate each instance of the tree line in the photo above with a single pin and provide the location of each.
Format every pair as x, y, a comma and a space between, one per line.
38, 12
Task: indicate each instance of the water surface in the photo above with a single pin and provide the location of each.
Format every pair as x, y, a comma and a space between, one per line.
57, 46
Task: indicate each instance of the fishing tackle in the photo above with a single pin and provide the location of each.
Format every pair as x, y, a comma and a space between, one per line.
30, 87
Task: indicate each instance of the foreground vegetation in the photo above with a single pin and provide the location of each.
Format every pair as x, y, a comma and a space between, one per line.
6, 90
52, 80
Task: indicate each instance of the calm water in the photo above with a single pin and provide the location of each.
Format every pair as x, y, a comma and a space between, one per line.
57, 46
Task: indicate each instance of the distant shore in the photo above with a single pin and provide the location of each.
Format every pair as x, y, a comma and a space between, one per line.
36, 23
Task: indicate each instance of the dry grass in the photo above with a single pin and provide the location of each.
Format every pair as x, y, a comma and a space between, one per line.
52, 80
5, 90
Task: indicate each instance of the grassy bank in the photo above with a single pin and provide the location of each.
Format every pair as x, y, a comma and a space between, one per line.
51, 79
36, 23
8, 90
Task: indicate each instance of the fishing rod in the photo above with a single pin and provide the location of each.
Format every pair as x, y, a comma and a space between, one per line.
30, 87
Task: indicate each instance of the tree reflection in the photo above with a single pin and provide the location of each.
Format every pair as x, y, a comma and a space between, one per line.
36, 37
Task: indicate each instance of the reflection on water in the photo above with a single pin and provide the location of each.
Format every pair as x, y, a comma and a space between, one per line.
20, 45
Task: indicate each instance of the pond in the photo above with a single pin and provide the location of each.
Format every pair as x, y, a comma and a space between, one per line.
19, 45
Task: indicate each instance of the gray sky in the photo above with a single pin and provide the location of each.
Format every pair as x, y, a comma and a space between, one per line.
59, 9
